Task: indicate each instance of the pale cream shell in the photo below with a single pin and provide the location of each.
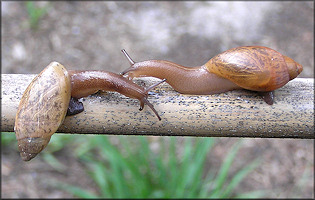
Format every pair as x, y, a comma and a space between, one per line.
42, 109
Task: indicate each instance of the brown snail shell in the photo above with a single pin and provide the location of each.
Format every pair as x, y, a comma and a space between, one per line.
42, 109
254, 67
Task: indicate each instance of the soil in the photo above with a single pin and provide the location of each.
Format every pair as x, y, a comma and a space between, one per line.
90, 35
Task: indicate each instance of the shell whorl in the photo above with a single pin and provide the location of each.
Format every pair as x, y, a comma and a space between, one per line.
254, 67
30, 147
42, 109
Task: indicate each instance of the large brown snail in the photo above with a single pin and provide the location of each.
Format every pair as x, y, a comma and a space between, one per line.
54, 93
254, 68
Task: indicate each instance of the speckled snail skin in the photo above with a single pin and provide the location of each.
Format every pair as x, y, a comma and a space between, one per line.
253, 68
54, 93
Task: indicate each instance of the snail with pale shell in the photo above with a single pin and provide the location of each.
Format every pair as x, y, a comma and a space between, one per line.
54, 93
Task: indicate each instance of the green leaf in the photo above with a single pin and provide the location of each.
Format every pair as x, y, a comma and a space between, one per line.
238, 177
8, 138
129, 169
78, 192
53, 162
35, 13
221, 177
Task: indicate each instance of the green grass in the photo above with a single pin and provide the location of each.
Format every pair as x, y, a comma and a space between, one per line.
35, 13
133, 170
7, 138
130, 169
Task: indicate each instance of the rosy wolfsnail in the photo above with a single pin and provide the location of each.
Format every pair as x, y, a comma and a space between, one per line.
54, 93
254, 68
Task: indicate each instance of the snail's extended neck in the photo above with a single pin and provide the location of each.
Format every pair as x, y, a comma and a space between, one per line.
187, 80
84, 83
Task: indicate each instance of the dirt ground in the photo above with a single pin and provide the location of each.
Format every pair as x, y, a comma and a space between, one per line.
90, 35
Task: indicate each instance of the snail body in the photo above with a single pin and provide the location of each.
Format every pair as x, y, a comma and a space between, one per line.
54, 93
253, 68
84, 83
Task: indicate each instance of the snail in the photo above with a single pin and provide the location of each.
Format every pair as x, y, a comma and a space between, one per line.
255, 68
54, 93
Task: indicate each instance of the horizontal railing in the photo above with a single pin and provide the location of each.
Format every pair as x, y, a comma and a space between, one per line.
238, 113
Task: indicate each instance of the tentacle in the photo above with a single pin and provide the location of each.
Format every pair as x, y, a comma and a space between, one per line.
145, 101
148, 89
129, 60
